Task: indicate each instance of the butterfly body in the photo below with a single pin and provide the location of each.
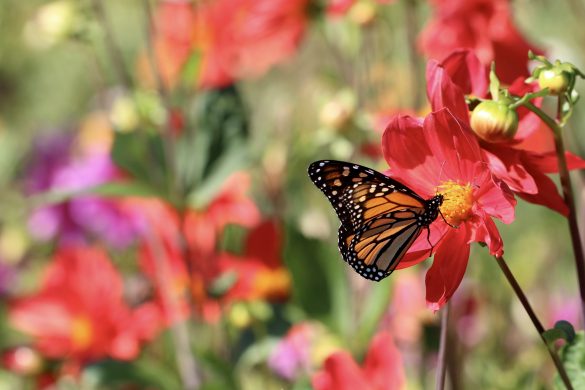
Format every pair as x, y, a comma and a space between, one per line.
380, 217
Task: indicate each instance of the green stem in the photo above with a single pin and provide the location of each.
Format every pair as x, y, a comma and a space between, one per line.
411, 25
188, 368
535, 321
529, 96
442, 365
175, 185
567, 193
114, 50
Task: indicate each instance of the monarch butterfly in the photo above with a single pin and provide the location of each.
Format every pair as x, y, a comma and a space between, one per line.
380, 217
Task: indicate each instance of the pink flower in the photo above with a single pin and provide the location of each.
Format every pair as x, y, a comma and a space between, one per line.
440, 156
56, 167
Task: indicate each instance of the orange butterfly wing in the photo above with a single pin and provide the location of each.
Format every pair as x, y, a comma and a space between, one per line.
380, 217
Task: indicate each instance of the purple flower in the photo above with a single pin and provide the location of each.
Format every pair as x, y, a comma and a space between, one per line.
55, 167
291, 356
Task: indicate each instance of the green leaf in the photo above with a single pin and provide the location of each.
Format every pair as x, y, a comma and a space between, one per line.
113, 373
319, 282
214, 181
573, 357
224, 375
191, 69
563, 330
494, 83
142, 155
222, 284
373, 310
216, 146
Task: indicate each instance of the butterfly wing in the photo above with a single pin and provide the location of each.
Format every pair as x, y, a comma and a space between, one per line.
378, 215
358, 193
376, 249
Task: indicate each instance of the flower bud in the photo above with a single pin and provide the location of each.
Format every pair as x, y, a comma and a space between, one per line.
555, 79
22, 360
494, 121
124, 115
362, 13
52, 23
338, 111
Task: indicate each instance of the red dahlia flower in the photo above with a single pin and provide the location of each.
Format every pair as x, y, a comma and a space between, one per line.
201, 229
523, 162
79, 312
439, 156
382, 369
235, 38
231, 205
486, 27
259, 273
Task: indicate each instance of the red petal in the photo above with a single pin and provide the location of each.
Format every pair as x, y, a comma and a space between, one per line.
484, 230
407, 153
506, 163
383, 365
340, 372
264, 242
455, 149
443, 93
448, 268
547, 195
548, 162
496, 199
465, 70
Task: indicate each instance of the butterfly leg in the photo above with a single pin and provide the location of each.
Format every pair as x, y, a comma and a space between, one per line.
429, 240
442, 216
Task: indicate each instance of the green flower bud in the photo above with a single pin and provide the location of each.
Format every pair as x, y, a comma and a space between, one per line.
494, 121
555, 79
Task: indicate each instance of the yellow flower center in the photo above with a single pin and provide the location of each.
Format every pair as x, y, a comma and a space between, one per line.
81, 332
272, 284
457, 202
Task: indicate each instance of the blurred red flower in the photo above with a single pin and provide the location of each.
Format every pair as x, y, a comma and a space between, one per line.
231, 205
161, 258
193, 267
382, 369
235, 38
79, 312
486, 27
439, 156
260, 272
523, 162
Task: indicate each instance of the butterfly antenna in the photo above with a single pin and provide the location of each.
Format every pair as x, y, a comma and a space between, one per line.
441, 174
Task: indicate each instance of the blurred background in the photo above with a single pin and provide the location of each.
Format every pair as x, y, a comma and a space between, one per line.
158, 229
